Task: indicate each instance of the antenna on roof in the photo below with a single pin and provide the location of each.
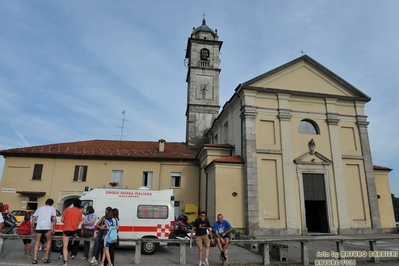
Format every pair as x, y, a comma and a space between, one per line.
122, 127
123, 123
302, 52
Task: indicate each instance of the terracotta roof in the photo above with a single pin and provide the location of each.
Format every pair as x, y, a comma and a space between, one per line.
377, 167
229, 159
110, 149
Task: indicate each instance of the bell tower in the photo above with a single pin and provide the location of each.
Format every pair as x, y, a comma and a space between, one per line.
202, 61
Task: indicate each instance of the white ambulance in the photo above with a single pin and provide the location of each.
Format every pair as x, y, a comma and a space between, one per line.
143, 213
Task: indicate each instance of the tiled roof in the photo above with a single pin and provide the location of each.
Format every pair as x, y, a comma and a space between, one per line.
110, 149
377, 167
229, 159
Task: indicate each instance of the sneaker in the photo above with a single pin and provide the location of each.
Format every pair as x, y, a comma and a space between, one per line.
84, 258
206, 263
93, 261
40, 247
101, 264
61, 257
200, 263
73, 257
223, 256
65, 263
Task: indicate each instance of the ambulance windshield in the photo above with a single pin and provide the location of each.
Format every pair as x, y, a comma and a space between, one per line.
85, 204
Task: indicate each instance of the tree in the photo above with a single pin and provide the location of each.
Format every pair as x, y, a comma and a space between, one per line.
395, 202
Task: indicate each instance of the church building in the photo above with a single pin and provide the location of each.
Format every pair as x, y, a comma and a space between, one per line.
287, 154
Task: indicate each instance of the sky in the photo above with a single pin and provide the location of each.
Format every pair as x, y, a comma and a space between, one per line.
70, 69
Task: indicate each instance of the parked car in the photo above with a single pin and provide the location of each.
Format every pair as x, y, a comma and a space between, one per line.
20, 214
397, 224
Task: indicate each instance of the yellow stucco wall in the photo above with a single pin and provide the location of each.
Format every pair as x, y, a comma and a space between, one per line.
385, 200
57, 178
228, 180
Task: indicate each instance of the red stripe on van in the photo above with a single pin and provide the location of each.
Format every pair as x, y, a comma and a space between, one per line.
158, 230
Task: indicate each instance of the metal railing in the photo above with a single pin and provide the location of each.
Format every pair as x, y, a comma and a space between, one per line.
263, 244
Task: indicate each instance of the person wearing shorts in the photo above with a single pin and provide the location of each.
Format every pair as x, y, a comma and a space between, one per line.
45, 220
222, 229
71, 218
201, 226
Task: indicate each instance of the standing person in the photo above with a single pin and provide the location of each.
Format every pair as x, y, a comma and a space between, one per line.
98, 242
71, 218
75, 246
112, 246
108, 222
45, 220
201, 226
1, 223
222, 229
25, 229
42, 245
88, 231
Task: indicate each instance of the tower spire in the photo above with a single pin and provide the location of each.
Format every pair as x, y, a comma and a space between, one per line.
202, 55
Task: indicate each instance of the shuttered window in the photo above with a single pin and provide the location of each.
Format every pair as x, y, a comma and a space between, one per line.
80, 173
37, 172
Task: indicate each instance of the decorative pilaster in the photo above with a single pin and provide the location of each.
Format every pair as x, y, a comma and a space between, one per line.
368, 165
248, 116
338, 167
284, 114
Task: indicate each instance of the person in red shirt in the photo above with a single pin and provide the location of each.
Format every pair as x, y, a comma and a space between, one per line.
71, 218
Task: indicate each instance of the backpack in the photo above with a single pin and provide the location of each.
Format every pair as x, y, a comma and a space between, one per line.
112, 236
25, 228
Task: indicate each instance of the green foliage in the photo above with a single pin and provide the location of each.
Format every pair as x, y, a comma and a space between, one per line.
241, 235
395, 202
237, 234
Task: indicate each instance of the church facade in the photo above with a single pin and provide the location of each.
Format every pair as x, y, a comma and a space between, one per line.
288, 154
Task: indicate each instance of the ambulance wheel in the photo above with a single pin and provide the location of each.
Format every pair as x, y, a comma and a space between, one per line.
57, 245
148, 248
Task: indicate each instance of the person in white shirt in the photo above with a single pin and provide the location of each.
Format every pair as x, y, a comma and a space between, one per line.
45, 220
1, 222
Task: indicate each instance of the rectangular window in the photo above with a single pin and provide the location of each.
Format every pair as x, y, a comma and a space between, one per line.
147, 179
152, 212
175, 180
117, 177
37, 172
80, 173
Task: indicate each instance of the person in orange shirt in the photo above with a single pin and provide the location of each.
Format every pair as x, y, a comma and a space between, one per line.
71, 218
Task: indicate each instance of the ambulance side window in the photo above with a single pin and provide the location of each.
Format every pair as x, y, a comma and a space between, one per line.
152, 212
86, 203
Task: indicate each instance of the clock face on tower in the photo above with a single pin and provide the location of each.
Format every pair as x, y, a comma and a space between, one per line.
204, 89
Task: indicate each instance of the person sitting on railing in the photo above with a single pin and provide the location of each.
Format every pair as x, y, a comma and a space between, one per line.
222, 228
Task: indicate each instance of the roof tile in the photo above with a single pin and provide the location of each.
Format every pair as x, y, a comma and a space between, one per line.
108, 148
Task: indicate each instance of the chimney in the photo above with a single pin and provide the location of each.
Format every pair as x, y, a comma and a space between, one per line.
161, 144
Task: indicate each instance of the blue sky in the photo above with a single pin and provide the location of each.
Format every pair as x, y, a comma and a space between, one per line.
68, 69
